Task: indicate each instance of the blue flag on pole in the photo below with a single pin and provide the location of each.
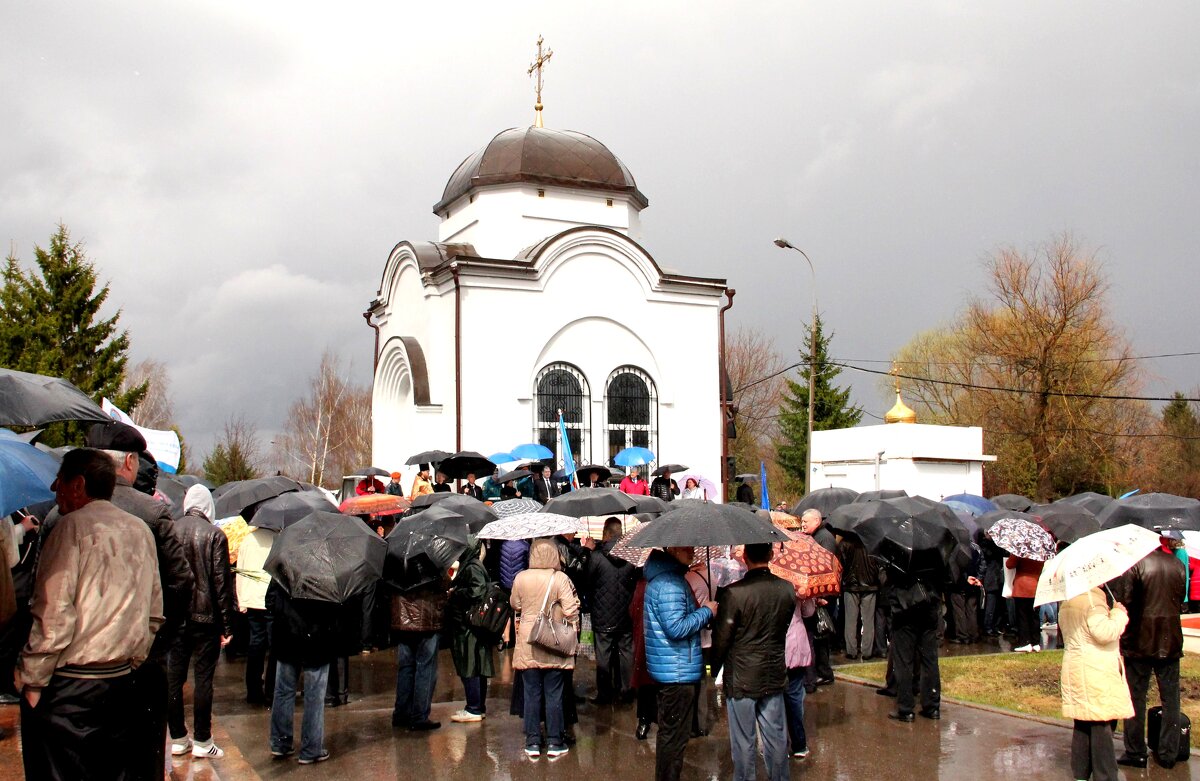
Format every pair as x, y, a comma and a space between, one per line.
765, 502
568, 459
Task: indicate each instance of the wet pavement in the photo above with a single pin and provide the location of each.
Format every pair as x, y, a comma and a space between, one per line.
849, 734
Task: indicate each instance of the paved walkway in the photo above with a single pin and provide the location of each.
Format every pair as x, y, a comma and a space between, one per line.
849, 735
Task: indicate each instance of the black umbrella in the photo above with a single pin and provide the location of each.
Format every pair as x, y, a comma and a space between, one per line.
882, 493
1089, 500
743, 506
429, 500
1067, 522
35, 400
235, 496
466, 462
280, 512
1012, 502
472, 511
912, 534
668, 468
824, 499
516, 474
1153, 511
591, 501
326, 557
708, 523
371, 471
420, 550
602, 472
650, 504
427, 457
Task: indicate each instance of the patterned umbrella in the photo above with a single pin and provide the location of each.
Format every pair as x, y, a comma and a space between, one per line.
1023, 538
523, 526
515, 506
1096, 559
812, 570
374, 504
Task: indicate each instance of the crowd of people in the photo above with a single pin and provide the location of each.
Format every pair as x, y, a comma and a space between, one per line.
121, 604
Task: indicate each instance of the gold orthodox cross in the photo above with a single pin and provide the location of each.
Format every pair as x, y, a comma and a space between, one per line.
538, 65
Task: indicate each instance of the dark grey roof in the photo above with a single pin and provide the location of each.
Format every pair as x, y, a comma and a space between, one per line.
540, 155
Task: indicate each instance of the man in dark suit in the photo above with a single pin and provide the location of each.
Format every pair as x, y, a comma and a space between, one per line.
470, 489
544, 488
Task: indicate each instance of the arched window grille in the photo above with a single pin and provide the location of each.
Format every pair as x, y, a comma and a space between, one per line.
562, 386
631, 404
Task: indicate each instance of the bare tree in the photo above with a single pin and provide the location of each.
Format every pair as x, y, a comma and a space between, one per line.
328, 428
157, 409
756, 374
1036, 364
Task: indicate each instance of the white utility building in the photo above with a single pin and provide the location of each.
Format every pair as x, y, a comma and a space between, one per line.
537, 297
925, 460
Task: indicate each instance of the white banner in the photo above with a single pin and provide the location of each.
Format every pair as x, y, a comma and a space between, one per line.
163, 445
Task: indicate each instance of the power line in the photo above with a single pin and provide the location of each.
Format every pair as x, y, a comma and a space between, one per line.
990, 363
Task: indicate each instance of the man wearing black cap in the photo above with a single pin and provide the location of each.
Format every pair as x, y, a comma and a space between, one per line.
123, 443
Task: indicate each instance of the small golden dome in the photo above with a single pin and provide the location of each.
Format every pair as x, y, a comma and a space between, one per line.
900, 412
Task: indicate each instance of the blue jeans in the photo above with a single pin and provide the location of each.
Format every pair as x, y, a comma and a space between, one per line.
541, 683
767, 713
793, 698
476, 688
312, 727
416, 673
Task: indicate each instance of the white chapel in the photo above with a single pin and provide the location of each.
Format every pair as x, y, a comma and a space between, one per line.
535, 297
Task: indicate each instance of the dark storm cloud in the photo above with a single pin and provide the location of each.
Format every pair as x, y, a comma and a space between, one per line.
240, 171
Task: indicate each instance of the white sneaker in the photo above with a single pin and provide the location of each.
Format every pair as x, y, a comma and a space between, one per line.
465, 716
181, 746
1037, 649
1024, 649
207, 750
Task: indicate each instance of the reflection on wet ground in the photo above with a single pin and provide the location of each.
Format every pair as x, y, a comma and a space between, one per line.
849, 734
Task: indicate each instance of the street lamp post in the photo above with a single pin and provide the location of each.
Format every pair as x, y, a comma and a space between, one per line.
783, 243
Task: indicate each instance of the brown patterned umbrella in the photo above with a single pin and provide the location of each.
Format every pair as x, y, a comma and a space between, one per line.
812, 570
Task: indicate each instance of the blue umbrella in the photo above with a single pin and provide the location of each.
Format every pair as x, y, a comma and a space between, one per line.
633, 456
25, 475
530, 452
502, 458
978, 504
962, 508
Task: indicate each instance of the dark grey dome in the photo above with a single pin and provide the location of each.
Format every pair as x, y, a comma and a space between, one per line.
539, 155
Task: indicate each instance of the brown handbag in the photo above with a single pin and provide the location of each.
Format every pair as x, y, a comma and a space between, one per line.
556, 636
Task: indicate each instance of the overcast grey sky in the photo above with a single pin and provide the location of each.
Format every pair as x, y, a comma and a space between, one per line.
240, 171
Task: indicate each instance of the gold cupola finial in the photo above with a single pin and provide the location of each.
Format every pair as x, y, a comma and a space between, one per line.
900, 412
539, 65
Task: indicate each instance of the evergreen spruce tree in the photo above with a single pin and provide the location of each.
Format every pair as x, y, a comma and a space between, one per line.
50, 324
832, 408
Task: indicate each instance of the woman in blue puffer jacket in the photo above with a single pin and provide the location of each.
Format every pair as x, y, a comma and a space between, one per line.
673, 622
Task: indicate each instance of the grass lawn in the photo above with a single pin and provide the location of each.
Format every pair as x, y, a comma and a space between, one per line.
1027, 683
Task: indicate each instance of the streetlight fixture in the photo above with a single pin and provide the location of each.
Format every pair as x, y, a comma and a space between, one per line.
783, 243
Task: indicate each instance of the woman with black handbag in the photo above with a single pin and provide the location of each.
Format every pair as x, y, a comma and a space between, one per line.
548, 617
470, 645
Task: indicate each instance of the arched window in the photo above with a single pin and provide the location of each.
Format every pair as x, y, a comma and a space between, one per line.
631, 404
562, 386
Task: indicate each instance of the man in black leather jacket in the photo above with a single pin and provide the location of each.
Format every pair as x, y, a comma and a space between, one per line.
1153, 593
209, 624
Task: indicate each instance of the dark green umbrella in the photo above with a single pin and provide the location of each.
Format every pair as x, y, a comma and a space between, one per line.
326, 557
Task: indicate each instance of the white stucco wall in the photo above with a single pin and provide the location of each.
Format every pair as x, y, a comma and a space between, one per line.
505, 219
597, 303
925, 460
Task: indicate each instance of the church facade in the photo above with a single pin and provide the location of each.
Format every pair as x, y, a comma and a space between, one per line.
537, 297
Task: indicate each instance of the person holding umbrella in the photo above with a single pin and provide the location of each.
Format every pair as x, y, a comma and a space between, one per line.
1094, 692
915, 610
692, 490
471, 489
1024, 588
664, 487
470, 650
672, 635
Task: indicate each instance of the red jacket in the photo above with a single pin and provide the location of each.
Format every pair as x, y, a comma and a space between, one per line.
640, 488
1193, 579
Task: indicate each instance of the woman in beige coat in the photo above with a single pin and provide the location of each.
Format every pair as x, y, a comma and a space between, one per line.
542, 673
1094, 692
